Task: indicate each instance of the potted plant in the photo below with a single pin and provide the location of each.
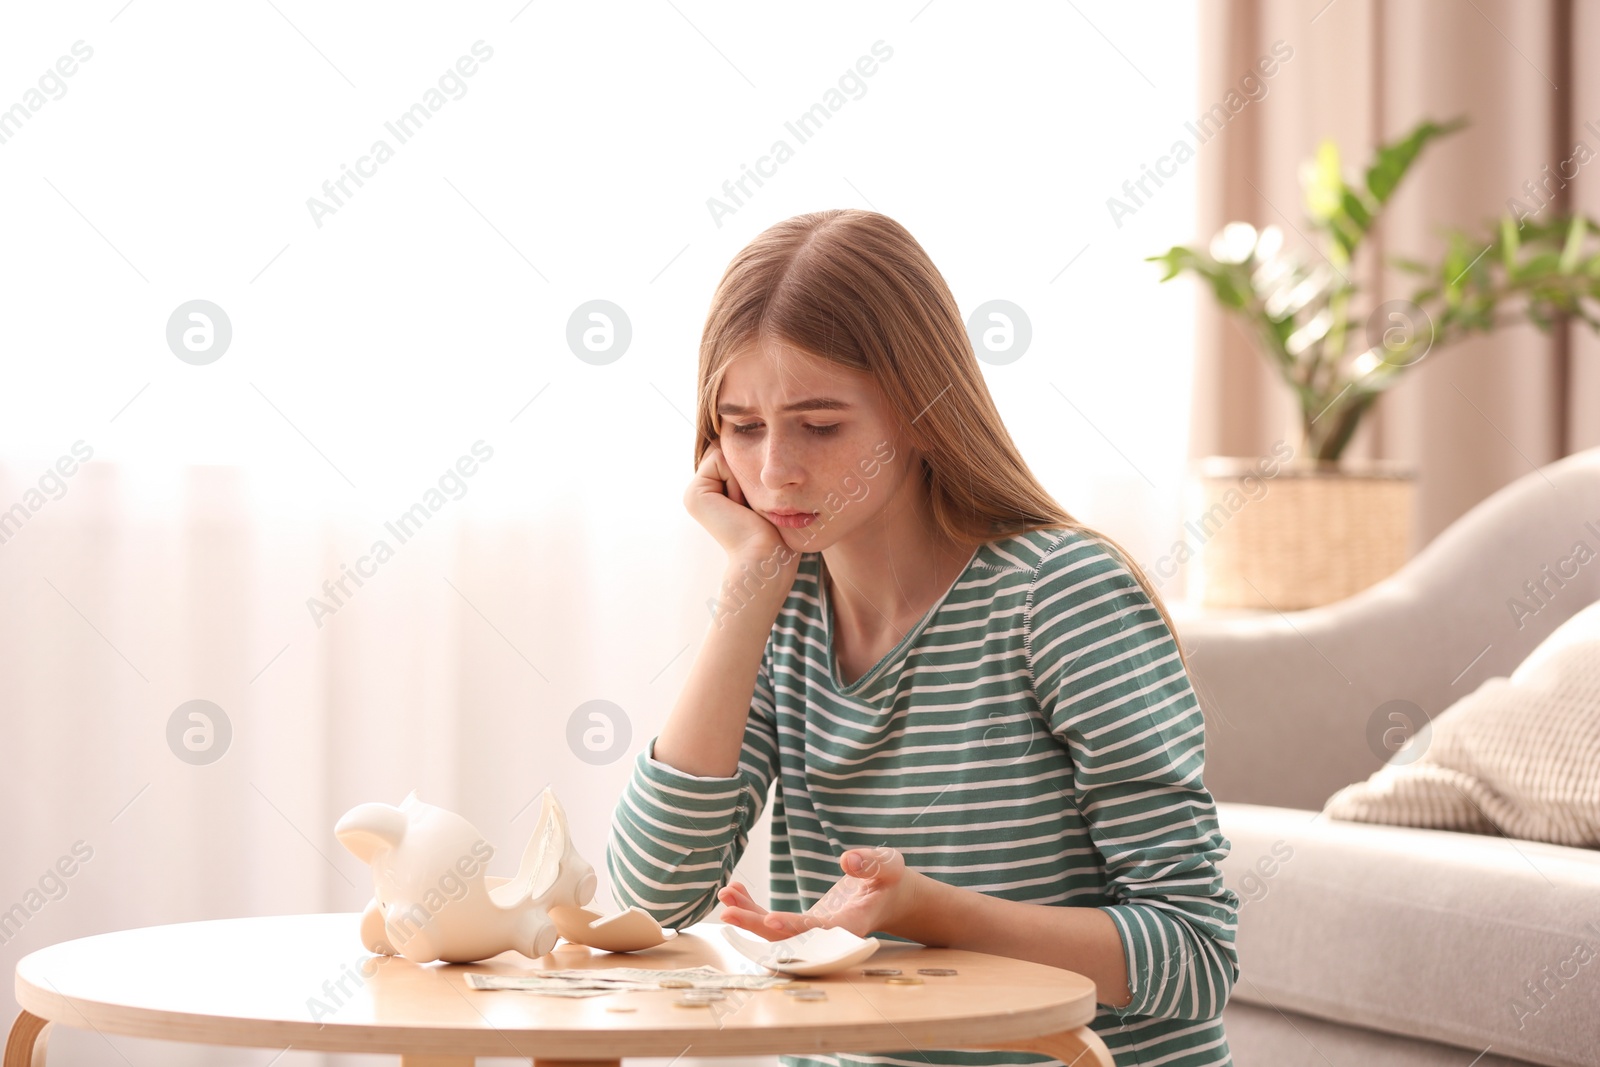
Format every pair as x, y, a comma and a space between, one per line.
1326, 528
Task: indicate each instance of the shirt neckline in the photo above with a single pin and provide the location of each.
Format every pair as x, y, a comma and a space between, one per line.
888, 657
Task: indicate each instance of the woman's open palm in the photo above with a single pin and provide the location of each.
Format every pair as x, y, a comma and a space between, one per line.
871, 896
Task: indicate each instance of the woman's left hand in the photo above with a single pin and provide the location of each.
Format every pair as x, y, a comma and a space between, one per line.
876, 891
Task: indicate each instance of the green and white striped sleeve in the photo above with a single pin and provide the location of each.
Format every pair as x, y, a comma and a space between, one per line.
675, 837
1111, 686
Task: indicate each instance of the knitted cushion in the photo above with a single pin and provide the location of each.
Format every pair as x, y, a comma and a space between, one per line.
1518, 756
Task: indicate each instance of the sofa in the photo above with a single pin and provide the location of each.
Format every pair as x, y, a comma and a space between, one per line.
1362, 943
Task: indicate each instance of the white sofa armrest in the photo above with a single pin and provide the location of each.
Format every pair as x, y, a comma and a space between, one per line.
1290, 698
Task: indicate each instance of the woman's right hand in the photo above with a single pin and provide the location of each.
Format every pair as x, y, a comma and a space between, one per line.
716, 502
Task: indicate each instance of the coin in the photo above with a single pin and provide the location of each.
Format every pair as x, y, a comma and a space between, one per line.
675, 983
692, 1002
810, 994
619, 1007
936, 970
902, 980
705, 994
796, 989
880, 972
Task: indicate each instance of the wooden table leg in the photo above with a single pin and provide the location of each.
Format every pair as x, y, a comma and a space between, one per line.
1075, 1048
25, 1046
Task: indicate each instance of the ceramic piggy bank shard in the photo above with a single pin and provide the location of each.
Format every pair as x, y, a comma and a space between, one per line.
432, 899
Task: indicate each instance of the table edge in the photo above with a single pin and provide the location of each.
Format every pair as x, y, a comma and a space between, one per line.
382, 1039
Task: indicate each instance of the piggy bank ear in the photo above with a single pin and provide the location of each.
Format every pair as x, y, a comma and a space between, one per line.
366, 829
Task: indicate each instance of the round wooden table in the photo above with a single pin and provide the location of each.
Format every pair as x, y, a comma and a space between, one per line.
306, 982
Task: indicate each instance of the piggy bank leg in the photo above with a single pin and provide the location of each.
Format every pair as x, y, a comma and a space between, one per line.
373, 934
586, 884
536, 934
420, 947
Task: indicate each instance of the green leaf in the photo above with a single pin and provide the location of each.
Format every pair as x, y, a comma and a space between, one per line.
1455, 264
1574, 245
1232, 291
1325, 186
1395, 158
1410, 266
1540, 270
1355, 209
1349, 224
1540, 264
1509, 245
1176, 258
1230, 282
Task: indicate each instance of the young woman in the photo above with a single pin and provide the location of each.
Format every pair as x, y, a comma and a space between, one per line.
973, 710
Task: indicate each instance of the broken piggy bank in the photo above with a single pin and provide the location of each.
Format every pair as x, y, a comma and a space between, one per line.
432, 899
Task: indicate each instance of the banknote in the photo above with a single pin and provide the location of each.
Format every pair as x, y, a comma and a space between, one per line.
598, 981
547, 989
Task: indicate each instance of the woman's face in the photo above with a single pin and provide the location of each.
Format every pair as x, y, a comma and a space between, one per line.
838, 454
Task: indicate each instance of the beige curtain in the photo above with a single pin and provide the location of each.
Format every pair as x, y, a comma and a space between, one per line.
454, 669
1477, 414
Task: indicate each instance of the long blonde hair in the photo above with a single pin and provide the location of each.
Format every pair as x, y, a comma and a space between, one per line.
854, 288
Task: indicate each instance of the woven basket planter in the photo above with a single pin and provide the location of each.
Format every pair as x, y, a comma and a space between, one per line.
1299, 538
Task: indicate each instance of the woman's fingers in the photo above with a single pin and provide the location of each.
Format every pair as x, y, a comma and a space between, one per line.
787, 924
872, 862
839, 906
717, 502
735, 894
740, 909
752, 921
725, 472
714, 468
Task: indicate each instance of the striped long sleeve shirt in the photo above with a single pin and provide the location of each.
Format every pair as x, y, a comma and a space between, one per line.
1034, 737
